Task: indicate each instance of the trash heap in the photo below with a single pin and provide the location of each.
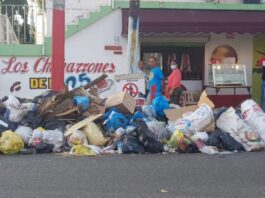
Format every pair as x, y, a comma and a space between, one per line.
79, 122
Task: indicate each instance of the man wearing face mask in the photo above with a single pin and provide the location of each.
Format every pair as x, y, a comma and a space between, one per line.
173, 90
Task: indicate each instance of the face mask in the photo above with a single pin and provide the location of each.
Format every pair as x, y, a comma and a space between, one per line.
173, 67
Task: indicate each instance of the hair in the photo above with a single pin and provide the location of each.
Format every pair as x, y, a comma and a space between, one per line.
154, 58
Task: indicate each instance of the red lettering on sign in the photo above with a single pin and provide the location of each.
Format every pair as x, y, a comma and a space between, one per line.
43, 65
113, 67
14, 67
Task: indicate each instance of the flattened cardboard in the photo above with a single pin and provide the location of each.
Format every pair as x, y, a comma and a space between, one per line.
205, 100
81, 124
174, 114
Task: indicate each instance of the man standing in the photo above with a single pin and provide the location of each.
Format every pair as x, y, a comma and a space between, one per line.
155, 80
173, 90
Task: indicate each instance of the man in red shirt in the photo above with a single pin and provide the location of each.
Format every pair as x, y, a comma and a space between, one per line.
173, 90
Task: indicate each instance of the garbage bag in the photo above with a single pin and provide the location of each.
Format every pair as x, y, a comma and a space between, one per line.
114, 120
217, 112
43, 147
82, 150
200, 118
200, 136
37, 136
94, 134
160, 103
16, 110
180, 124
25, 133
224, 141
77, 138
32, 119
5, 125
54, 137
11, 143
131, 144
149, 111
231, 123
254, 116
53, 124
137, 115
159, 129
182, 143
82, 101
148, 138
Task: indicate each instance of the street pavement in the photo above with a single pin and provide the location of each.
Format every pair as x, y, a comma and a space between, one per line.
131, 176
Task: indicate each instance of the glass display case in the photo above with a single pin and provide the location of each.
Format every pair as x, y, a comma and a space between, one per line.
227, 74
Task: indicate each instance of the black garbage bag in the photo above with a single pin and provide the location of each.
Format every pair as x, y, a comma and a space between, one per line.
223, 140
148, 139
32, 120
2, 110
43, 148
5, 125
53, 123
131, 144
217, 112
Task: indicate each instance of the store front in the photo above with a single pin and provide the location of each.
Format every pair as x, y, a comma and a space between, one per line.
197, 39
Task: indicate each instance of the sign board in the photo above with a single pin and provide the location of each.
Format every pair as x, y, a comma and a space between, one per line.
28, 77
134, 84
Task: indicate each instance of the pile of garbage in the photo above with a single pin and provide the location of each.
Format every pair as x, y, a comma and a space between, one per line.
79, 122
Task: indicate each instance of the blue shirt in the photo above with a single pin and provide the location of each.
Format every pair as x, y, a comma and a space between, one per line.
155, 79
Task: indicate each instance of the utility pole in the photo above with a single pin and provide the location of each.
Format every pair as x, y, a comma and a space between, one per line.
58, 40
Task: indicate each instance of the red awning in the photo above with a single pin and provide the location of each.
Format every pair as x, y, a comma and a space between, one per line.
197, 21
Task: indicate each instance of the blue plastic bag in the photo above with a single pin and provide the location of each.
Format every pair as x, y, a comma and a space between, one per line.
160, 103
82, 101
114, 120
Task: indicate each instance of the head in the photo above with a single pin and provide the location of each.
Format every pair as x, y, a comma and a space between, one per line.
141, 65
173, 65
152, 62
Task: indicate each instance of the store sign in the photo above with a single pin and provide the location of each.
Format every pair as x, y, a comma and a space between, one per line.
28, 77
43, 65
134, 84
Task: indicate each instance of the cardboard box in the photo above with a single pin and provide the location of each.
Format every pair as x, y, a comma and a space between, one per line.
174, 114
205, 100
124, 102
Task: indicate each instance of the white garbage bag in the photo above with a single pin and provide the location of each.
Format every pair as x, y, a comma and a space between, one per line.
54, 137
200, 118
254, 116
231, 123
16, 109
25, 133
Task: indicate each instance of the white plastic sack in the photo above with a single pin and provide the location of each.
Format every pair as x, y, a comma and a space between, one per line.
77, 138
200, 136
37, 136
254, 116
200, 118
231, 123
54, 137
17, 110
25, 133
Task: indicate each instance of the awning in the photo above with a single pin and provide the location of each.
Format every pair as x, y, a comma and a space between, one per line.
197, 21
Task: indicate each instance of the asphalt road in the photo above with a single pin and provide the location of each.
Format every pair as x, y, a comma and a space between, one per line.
132, 176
